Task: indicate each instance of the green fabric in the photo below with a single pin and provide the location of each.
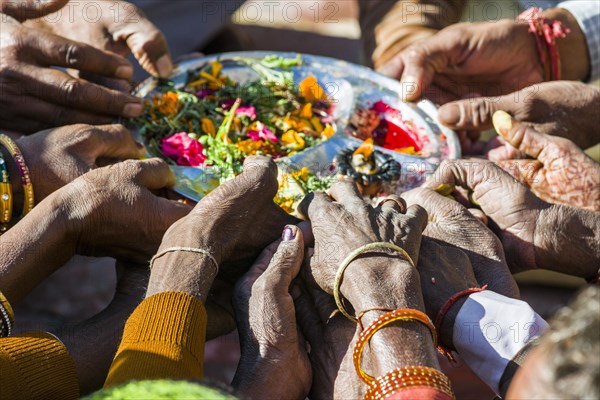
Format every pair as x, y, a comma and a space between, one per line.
159, 390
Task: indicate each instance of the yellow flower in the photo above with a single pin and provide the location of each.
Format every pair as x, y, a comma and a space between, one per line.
306, 111
214, 79
293, 140
302, 174
327, 132
407, 150
167, 104
316, 123
208, 126
311, 90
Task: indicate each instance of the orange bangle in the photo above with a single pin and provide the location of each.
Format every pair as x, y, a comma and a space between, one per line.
15, 153
407, 378
405, 314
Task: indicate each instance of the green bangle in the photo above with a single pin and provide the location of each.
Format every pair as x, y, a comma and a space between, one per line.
340, 272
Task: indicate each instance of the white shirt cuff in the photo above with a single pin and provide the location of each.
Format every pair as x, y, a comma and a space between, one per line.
489, 331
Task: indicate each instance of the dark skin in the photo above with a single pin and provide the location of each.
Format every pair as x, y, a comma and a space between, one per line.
39, 96
534, 233
344, 222
57, 156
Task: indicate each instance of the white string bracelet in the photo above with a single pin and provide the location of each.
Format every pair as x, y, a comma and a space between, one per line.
189, 250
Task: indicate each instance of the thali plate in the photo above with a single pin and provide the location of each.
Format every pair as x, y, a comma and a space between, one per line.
350, 86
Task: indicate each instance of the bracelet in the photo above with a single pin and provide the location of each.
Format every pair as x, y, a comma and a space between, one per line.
404, 314
444, 310
546, 33
406, 378
7, 316
6, 197
16, 154
340, 272
189, 250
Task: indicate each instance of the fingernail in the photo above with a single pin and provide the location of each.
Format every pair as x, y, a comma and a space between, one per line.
408, 86
288, 234
133, 110
449, 114
124, 72
164, 67
444, 189
502, 122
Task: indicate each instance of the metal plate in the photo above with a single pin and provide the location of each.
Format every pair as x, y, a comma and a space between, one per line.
350, 86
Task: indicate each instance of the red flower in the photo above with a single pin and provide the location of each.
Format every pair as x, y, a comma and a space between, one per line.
184, 150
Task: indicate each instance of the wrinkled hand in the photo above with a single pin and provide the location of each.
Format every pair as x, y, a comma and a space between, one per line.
118, 27
274, 363
237, 220
331, 337
36, 96
559, 171
26, 9
513, 210
344, 222
452, 224
560, 108
445, 270
57, 156
470, 58
111, 211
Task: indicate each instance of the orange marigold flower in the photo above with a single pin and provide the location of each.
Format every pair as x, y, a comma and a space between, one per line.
167, 104
311, 90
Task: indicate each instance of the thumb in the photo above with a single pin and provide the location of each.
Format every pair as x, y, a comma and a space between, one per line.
30, 9
145, 40
287, 260
474, 113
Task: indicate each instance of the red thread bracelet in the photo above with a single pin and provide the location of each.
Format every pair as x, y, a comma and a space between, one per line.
444, 310
546, 33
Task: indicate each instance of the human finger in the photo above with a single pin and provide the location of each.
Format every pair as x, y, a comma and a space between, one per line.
60, 88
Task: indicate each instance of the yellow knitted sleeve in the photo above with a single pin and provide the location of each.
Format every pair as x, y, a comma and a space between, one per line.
163, 339
36, 366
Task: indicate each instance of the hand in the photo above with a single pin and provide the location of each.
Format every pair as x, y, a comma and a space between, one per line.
274, 363
55, 157
118, 27
331, 338
445, 270
559, 171
344, 222
451, 224
559, 108
36, 96
471, 58
26, 9
513, 210
236, 221
111, 211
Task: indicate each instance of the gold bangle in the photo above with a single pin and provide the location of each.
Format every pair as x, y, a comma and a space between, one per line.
340, 272
405, 314
7, 314
15, 152
406, 378
6, 201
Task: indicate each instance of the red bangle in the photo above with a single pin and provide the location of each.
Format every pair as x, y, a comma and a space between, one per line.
446, 307
546, 33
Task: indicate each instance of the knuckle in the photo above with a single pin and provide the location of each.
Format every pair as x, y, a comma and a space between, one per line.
72, 54
70, 91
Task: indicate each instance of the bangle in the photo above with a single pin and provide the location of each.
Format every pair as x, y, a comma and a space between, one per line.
546, 33
7, 316
340, 272
439, 320
405, 314
189, 250
5, 197
407, 378
16, 154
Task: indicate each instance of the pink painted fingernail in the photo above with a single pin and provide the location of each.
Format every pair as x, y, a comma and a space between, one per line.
288, 234
133, 110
